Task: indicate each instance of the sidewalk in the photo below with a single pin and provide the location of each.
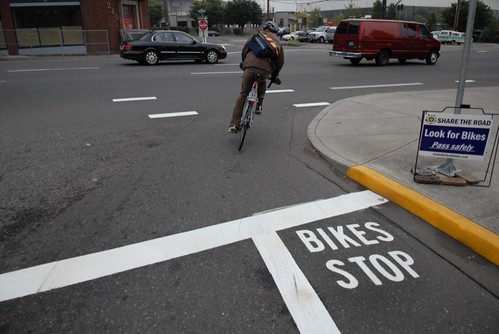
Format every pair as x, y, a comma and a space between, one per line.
374, 140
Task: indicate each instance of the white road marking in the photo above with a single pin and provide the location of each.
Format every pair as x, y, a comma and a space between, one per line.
379, 86
305, 306
309, 313
467, 81
315, 104
280, 91
54, 69
132, 99
174, 114
208, 73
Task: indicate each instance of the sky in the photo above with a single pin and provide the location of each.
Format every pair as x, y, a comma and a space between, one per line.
309, 5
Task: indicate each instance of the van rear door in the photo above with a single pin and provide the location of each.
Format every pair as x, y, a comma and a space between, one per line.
346, 36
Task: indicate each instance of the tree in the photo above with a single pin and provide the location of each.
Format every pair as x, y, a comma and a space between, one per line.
483, 15
432, 21
392, 13
155, 12
352, 11
214, 11
377, 10
315, 18
241, 12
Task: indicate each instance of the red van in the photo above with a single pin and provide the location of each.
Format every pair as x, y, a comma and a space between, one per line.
381, 40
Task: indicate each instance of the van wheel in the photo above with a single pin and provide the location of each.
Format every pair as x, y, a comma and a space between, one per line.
432, 58
355, 61
382, 57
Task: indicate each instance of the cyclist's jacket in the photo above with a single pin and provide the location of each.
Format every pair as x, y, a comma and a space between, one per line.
273, 67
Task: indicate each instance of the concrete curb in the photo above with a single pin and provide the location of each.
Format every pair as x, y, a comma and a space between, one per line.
476, 237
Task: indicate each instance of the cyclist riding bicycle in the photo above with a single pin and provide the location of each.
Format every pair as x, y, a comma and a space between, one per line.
268, 67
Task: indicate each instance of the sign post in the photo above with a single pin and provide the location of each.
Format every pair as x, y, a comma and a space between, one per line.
203, 25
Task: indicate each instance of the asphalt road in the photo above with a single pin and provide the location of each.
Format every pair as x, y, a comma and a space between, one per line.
157, 225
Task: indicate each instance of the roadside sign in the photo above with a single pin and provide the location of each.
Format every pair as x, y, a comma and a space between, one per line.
203, 24
454, 135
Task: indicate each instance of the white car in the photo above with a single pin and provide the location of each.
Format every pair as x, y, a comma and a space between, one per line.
290, 37
319, 35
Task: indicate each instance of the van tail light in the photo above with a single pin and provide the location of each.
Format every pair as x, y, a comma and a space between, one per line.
128, 47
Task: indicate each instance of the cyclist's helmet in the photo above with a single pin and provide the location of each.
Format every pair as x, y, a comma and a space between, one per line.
271, 26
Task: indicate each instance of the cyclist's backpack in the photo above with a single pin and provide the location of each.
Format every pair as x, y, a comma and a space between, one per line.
263, 46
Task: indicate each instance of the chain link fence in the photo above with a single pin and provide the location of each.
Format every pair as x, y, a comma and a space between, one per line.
55, 41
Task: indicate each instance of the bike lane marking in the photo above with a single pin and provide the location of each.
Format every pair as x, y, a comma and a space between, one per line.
305, 306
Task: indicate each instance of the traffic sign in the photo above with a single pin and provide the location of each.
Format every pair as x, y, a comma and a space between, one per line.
203, 24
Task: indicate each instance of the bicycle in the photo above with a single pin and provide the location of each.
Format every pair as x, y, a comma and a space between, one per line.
249, 110
250, 106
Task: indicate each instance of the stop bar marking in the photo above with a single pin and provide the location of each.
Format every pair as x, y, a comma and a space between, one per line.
309, 314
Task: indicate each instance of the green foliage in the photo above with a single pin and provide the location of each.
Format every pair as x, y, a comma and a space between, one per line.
491, 32
214, 11
155, 12
241, 12
352, 11
432, 21
483, 15
315, 18
392, 12
377, 9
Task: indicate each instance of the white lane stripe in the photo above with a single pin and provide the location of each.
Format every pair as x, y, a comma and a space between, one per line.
207, 73
173, 114
305, 306
54, 69
316, 104
466, 81
280, 91
378, 86
260, 227
132, 99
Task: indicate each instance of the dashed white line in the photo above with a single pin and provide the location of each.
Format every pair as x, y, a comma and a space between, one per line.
379, 86
54, 69
207, 73
132, 99
315, 104
280, 91
174, 114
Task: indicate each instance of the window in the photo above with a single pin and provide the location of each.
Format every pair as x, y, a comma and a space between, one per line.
408, 30
183, 38
423, 32
164, 37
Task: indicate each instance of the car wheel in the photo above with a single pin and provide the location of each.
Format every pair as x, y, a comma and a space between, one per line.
432, 58
382, 57
355, 61
211, 57
321, 39
151, 57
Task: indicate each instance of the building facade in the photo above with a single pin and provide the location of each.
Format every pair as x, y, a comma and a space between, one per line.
43, 27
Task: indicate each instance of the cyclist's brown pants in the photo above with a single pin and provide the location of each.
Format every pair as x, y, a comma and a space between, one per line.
246, 84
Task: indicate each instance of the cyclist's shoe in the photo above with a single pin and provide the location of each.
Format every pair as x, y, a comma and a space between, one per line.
259, 110
233, 129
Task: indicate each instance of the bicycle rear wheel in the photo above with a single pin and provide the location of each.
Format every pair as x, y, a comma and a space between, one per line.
242, 135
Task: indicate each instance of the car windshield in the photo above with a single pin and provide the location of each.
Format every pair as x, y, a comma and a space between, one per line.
320, 29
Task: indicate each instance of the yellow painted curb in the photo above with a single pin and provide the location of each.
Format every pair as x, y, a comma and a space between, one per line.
476, 237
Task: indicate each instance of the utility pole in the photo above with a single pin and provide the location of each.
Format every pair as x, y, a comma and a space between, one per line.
383, 12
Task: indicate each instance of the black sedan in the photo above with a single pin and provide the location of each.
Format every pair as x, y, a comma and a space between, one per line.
170, 45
